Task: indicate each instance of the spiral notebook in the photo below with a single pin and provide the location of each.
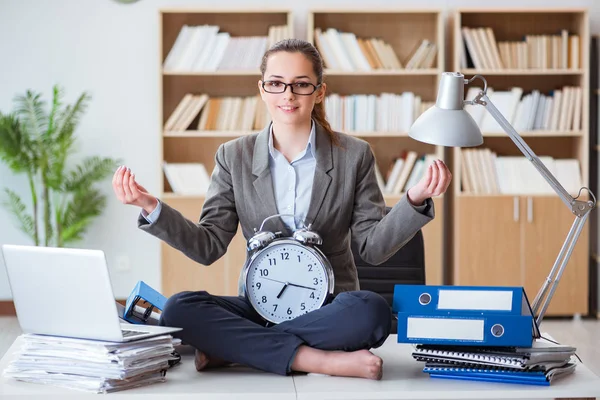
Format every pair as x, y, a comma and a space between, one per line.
505, 375
542, 353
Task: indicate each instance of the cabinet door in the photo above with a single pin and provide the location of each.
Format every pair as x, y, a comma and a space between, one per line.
181, 273
487, 241
546, 226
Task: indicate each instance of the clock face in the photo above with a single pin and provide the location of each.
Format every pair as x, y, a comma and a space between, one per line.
286, 280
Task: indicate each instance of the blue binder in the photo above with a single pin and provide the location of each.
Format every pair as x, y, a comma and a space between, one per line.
464, 315
432, 299
142, 293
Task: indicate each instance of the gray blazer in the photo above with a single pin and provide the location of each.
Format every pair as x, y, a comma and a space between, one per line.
346, 204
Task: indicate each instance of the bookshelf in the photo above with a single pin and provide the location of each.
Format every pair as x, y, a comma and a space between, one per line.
404, 31
191, 145
513, 237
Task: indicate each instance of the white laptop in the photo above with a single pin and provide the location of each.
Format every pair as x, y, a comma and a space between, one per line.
67, 292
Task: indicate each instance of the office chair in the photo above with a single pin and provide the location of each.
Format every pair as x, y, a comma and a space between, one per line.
407, 267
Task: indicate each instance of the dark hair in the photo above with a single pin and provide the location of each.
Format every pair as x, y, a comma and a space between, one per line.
312, 54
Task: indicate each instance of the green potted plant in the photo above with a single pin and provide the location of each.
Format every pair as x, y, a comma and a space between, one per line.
38, 143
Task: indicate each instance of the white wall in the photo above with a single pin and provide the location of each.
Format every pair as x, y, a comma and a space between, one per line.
111, 51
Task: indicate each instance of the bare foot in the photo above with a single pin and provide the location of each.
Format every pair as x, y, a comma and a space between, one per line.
360, 364
202, 361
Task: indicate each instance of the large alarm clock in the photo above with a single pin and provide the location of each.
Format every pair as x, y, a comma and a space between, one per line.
285, 277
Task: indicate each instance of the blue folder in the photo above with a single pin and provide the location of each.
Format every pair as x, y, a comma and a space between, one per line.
464, 315
529, 377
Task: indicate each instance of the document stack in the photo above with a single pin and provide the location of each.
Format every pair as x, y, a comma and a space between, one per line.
91, 365
478, 333
537, 365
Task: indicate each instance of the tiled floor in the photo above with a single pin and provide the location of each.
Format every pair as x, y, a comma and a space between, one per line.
583, 334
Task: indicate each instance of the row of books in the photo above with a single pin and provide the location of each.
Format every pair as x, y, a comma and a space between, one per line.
188, 179
204, 48
481, 51
347, 52
388, 112
404, 172
484, 172
561, 110
218, 114
91, 365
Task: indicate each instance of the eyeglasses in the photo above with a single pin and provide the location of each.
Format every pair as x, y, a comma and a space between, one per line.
301, 88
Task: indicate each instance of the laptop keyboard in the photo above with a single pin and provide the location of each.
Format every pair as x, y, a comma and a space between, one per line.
129, 333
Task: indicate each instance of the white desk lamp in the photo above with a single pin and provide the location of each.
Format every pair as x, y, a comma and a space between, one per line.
448, 124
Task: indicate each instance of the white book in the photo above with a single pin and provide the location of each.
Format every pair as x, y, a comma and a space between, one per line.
506, 102
172, 59
187, 178
192, 48
416, 173
555, 113
394, 175
339, 50
222, 43
351, 46
568, 173
207, 48
409, 162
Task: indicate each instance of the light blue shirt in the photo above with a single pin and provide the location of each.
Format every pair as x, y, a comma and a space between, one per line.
292, 182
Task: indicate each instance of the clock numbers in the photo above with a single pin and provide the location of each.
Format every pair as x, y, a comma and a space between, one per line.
286, 282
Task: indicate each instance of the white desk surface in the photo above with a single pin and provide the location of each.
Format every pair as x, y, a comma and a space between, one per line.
402, 379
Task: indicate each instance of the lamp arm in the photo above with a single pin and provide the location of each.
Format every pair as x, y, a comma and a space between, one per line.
581, 209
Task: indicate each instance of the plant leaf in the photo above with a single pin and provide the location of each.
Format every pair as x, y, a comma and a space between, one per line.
91, 170
83, 207
16, 147
16, 206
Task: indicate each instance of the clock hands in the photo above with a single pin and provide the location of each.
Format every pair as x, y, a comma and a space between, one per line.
282, 290
305, 287
286, 285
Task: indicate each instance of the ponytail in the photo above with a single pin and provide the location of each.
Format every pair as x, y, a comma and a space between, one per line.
318, 114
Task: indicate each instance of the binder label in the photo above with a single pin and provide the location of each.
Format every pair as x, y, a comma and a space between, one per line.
489, 300
444, 328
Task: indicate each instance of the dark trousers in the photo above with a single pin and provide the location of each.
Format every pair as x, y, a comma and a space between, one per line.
229, 328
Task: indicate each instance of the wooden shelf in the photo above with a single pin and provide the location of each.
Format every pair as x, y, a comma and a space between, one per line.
213, 73
537, 134
513, 239
206, 134
484, 72
382, 72
235, 134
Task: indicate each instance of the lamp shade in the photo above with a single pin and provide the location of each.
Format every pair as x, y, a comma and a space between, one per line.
447, 123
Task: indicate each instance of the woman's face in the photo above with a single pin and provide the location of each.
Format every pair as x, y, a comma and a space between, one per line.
290, 108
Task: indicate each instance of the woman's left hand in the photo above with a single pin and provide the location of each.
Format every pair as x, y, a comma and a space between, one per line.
434, 183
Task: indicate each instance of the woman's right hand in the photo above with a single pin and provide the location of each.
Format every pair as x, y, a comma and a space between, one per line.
128, 191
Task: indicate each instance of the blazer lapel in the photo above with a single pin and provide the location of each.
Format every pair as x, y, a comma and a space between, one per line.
263, 182
322, 180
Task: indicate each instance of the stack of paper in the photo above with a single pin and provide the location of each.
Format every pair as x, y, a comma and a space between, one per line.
91, 365
538, 365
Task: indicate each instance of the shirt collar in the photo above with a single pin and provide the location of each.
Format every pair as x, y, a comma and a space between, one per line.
311, 145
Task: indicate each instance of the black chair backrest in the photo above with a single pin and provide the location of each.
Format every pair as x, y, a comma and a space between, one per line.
407, 267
